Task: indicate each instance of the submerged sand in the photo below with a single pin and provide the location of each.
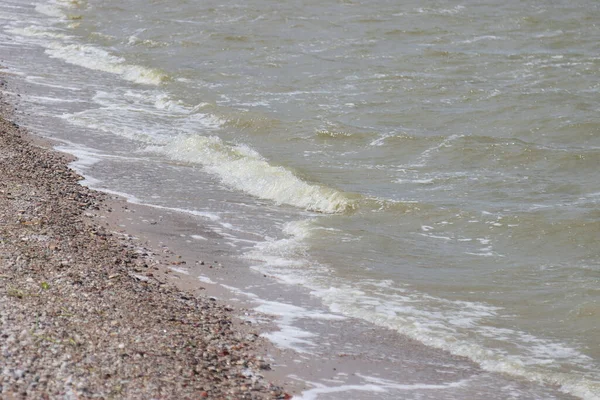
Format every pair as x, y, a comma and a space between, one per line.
83, 310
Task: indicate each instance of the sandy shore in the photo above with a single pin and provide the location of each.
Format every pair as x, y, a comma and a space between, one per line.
86, 312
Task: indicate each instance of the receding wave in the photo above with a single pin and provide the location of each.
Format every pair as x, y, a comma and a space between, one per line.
244, 169
462, 328
97, 59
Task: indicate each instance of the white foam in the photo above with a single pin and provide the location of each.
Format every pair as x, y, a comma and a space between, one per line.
51, 10
448, 325
198, 237
422, 181
441, 11
164, 102
484, 254
135, 41
320, 389
56, 8
206, 279
94, 58
426, 155
87, 157
462, 328
289, 336
374, 385
480, 38
179, 270
50, 100
242, 168
104, 122
36, 81
204, 214
435, 236
34, 31
149, 116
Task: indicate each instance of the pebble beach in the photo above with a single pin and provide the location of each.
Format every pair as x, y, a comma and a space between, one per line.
317, 200
83, 312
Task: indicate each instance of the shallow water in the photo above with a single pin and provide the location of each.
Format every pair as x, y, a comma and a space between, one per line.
431, 169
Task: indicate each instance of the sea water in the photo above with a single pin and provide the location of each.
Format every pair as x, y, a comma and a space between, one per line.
429, 167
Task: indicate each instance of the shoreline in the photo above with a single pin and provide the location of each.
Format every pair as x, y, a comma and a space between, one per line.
88, 313
342, 355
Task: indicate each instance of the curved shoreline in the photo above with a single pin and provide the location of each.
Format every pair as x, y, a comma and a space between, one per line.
87, 313
95, 311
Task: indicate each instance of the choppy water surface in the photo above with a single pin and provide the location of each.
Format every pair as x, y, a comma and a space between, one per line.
431, 167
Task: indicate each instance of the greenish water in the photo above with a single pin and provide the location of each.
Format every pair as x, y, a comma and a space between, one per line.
428, 167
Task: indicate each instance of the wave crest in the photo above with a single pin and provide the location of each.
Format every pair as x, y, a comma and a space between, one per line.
97, 59
244, 169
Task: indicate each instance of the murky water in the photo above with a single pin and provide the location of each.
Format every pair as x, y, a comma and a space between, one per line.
428, 167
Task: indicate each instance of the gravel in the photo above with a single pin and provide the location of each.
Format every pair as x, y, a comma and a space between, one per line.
82, 315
